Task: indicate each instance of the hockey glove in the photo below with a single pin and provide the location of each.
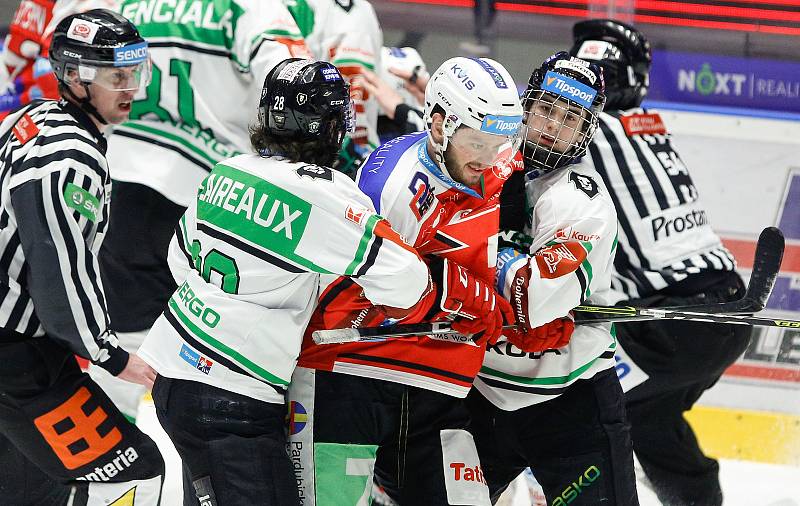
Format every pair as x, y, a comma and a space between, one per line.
472, 303
553, 335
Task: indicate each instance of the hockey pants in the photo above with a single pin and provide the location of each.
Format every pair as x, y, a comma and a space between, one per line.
233, 447
62, 439
578, 444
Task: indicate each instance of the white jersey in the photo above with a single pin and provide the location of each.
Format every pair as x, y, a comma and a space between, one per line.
347, 34
247, 257
210, 58
573, 228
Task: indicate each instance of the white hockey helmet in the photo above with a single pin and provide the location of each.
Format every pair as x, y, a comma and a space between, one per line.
403, 58
480, 94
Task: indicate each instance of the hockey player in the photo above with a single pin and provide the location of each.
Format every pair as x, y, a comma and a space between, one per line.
667, 255
247, 256
560, 410
54, 208
347, 34
396, 406
209, 63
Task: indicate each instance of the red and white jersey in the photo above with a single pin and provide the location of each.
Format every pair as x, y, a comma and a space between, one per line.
437, 216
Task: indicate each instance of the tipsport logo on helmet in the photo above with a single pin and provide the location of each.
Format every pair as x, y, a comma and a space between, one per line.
501, 125
569, 88
130, 55
496, 76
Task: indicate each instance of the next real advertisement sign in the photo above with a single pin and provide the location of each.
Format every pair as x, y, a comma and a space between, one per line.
725, 81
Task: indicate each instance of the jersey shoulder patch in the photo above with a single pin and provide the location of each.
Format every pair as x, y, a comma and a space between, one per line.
315, 172
82, 201
585, 184
25, 129
643, 124
560, 259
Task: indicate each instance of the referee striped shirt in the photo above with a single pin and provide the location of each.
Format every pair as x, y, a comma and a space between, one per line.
664, 231
54, 192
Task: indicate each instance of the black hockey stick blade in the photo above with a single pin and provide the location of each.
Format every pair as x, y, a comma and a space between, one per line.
766, 265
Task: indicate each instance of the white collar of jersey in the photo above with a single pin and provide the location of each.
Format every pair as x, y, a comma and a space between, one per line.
424, 157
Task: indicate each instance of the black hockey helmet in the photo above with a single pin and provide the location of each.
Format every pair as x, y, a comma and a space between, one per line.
97, 38
306, 100
623, 52
561, 107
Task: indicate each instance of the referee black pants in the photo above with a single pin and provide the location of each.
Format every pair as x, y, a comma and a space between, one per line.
682, 360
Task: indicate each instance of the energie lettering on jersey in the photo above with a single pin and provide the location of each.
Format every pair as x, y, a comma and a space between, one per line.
198, 14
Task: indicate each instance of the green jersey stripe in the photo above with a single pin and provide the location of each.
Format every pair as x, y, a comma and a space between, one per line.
553, 380
587, 267
352, 61
221, 347
362, 244
172, 137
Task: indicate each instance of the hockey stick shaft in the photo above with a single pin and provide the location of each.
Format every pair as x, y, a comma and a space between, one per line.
443, 328
766, 265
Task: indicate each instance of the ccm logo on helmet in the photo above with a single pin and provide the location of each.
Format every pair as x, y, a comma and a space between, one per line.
130, 55
569, 88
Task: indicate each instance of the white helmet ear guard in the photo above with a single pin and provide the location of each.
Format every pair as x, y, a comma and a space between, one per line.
478, 93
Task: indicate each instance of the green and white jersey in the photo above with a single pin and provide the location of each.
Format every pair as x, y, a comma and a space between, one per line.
210, 58
347, 34
573, 226
247, 257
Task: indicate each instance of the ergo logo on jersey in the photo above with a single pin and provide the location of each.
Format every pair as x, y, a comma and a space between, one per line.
569, 88
130, 55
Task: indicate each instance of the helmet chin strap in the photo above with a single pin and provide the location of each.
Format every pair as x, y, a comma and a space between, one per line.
85, 103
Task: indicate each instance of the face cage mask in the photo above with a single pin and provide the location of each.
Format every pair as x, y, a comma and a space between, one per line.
123, 78
555, 132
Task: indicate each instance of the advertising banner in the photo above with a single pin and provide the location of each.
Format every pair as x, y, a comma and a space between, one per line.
725, 81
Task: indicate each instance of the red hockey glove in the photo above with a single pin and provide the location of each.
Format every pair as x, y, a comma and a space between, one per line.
476, 306
549, 336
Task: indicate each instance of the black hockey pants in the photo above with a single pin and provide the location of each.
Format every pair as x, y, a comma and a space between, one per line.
233, 447
577, 445
60, 435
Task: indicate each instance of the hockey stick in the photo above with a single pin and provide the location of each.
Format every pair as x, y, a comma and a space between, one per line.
766, 264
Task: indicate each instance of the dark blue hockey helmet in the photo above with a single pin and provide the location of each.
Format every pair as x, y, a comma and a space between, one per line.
561, 107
